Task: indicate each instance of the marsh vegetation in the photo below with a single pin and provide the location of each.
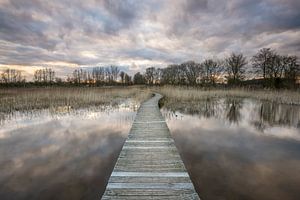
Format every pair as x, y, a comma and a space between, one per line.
18, 99
183, 95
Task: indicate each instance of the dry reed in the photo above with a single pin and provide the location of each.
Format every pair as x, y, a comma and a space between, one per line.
39, 98
186, 94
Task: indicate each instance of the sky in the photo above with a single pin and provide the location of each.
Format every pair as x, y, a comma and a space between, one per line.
68, 34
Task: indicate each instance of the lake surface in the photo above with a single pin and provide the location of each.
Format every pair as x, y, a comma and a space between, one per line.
239, 148
232, 148
61, 153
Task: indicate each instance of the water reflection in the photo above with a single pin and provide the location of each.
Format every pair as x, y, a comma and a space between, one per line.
262, 115
271, 114
239, 148
233, 107
61, 153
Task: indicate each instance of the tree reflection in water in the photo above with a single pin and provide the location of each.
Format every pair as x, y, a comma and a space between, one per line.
238, 148
233, 107
262, 114
274, 114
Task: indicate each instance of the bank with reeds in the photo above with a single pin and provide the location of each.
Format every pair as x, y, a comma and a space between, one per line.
14, 99
191, 94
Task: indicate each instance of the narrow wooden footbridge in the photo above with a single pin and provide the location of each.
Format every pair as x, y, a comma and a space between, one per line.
149, 165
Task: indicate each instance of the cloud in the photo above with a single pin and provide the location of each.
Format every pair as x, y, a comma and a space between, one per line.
141, 33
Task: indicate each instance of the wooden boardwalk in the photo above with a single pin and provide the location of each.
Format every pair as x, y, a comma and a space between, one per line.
149, 165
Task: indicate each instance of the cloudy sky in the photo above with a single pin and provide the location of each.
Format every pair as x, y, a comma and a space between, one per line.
67, 34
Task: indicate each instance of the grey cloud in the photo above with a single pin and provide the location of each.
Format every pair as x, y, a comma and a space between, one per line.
265, 16
95, 32
125, 11
24, 29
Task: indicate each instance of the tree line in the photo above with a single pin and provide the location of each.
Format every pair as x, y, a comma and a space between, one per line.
43, 77
266, 68
99, 76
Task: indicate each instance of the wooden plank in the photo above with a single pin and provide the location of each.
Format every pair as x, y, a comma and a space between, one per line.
149, 165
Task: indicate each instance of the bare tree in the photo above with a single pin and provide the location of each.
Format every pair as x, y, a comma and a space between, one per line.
80, 76
149, 75
157, 76
211, 70
192, 72
262, 61
127, 79
98, 75
235, 68
12, 76
174, 74
138, 78
108, 75
291, 69
169, 75
46, 75
51, 75
275, 68
122, 75
114, 72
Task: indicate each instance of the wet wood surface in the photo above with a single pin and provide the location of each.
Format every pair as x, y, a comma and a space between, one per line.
149, 165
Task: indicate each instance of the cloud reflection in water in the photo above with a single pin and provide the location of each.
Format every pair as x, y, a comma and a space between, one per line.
239, 148
54, 155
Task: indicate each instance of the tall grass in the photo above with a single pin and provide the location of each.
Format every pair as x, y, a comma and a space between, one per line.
38, 98
186, 94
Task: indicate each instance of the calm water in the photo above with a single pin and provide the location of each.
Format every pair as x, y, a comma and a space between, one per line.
61, 153
239, 148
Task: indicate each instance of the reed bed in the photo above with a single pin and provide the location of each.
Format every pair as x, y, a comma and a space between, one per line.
189, 94
42, 98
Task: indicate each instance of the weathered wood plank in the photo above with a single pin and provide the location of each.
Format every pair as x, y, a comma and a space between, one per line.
149, 165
